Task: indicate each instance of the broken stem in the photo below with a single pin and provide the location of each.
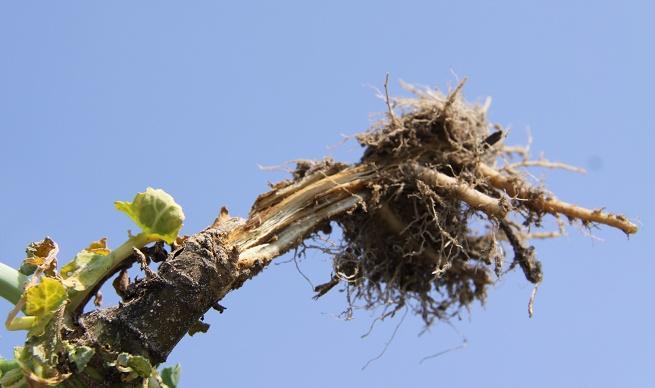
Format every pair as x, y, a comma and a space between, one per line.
288, 237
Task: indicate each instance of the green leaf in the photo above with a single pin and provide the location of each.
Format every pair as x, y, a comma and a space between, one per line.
80, 355
45, 297
42, 301
156, 212
127, 363
171, 375
140, 365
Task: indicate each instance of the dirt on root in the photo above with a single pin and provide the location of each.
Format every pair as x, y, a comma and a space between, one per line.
415, 245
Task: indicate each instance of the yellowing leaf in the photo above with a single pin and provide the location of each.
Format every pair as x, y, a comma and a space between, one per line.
35, 261
156, 212
44, 297
99, 247
40, 248
36, 254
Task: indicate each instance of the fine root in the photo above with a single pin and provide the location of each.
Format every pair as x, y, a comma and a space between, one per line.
423, 215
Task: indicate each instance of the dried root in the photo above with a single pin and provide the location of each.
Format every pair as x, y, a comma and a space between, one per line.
423, 215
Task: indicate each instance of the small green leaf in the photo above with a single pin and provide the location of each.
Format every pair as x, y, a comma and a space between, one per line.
127, 363
140, 365
156, 212
80, 355
171, 375
45, 297
42, 301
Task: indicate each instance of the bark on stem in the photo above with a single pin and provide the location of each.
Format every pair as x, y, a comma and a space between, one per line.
159, 311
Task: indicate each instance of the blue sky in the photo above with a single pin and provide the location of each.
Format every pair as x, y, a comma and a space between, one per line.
99, 100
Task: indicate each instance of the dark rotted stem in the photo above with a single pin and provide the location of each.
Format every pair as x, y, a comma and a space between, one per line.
160, 309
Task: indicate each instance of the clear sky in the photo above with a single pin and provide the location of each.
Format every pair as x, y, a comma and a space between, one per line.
99, 100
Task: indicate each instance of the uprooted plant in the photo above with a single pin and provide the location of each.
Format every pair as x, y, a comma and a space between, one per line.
425, 216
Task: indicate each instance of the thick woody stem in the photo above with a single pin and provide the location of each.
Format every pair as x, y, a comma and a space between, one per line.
158, 311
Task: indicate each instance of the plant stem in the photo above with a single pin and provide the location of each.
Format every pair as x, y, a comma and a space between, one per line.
11, 283
116, 258
7, 365
125, 250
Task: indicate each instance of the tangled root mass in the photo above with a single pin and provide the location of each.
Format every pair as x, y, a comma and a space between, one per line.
441, 199
413, 244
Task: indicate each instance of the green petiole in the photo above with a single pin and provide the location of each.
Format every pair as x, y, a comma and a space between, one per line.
126, 249
111, 262
7, 365
12, 283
